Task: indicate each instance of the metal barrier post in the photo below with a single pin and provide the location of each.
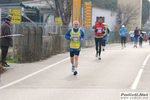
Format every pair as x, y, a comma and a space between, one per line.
13, 41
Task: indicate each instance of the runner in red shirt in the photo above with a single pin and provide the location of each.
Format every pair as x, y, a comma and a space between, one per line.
99, 27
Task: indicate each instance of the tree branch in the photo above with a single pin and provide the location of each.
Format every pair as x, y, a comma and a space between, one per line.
50, 6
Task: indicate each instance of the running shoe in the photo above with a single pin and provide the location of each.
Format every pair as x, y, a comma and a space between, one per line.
75, 73
103, 49
99, 58
5, 65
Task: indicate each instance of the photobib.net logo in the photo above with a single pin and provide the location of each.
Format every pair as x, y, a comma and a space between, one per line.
134, 95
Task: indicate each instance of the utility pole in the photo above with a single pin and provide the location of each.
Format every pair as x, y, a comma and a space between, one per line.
68, 7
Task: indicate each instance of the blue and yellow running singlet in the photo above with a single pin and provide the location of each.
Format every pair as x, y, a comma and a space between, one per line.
75, 42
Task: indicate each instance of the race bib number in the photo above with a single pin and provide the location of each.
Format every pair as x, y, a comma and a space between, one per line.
99, 30
75, 38
123, 33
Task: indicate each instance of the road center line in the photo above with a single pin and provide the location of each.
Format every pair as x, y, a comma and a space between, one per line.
134, 85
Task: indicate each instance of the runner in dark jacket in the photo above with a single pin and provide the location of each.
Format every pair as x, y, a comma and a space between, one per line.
141, 38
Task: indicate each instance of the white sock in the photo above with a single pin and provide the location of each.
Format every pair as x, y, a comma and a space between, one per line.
75, 69
73, 65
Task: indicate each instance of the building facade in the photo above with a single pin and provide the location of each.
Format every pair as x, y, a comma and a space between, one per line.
109, 16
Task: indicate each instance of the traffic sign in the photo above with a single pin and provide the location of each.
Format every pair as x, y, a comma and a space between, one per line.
58, 21
87, 14
16, 15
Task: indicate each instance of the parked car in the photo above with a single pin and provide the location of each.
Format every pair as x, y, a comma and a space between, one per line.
145, 36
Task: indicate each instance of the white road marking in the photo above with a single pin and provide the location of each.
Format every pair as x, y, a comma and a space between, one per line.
30, 75
134, 85
146, 60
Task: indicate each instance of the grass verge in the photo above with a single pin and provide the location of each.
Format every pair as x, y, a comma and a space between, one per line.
83, 47
12, 61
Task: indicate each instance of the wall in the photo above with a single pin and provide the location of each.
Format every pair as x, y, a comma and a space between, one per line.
88, 43
55, 44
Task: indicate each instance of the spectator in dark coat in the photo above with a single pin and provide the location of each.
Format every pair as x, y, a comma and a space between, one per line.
6, 41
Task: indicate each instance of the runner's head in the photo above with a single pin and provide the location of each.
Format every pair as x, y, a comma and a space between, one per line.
100, 20
123, 26
136, 28
76, 24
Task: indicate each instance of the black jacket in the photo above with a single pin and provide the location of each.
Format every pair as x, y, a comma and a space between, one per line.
136, 33
141, 35
5, 30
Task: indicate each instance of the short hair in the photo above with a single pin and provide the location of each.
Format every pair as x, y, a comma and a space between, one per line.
76, 22
100, 18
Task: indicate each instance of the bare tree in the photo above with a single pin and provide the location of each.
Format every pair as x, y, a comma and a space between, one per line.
126, 15
60, 9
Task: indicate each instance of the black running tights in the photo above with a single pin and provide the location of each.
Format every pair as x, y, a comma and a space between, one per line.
98, 43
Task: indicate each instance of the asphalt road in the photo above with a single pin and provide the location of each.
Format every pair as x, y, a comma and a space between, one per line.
119, 71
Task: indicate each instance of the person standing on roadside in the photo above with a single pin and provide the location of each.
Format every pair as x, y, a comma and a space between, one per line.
6, 41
